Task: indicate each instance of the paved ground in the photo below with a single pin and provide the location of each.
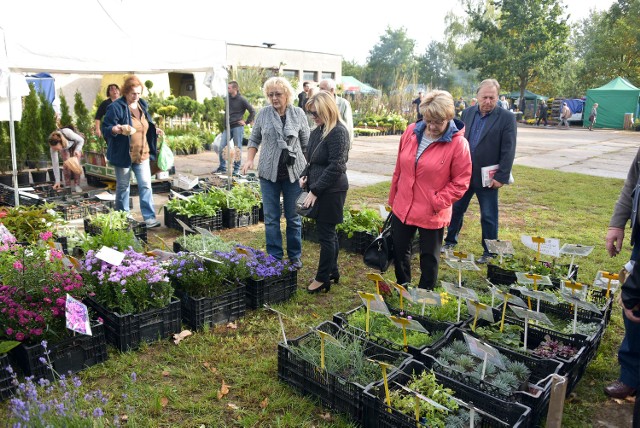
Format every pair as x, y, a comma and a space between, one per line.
603, 153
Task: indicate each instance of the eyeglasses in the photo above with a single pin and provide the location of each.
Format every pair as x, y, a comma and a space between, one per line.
313, 113
274, 94
436, 122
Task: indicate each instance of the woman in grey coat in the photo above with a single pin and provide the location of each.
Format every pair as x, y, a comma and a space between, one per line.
281, 131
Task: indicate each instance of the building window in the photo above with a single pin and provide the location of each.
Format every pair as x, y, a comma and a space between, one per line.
328, 75
290, 74
310, 75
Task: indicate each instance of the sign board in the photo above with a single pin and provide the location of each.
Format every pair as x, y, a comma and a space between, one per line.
480, 310
461, 264
77, 316
497, 246
602, 281
375, 303
328, 338
576, 250
538, 295
526, 314
401, 322
528, 279
111, 256
503, 295
481, 349
425, 297
581, 303
575, 289
202, 231
463, 292
550, 246
184, 225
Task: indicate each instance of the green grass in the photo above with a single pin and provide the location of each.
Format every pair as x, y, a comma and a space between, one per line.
574, 208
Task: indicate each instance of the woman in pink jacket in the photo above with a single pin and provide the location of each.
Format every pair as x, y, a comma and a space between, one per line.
433, 170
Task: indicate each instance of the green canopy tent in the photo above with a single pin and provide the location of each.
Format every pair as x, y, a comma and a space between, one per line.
528, 95
614, 99
531, 102
351, 85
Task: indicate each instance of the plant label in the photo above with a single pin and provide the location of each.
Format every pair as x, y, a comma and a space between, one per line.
408, 324
326, 337
527, 314
77, 316
424, 398
111, 256
480, 310
403, 292
581, 303
547, 246
531, 279
184, 226
462, 292
508, 297
575, 289
384, 210
462, 264
576, 250
202, 231
606, 281
374, 302
499, 247
541, 295
426, 297
483, 350
5, 235
105, 196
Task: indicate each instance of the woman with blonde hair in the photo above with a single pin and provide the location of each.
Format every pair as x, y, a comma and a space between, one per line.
67, 143
433, 170
326, 181
281, 132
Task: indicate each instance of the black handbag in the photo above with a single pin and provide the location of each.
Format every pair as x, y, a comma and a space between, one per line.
379, 254
304, 212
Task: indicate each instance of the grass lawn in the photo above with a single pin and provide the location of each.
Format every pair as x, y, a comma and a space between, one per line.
179, 385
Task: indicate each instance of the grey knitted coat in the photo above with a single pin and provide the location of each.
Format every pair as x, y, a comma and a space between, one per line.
270, 138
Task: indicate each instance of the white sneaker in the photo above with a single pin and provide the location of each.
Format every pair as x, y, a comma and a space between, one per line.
152, 222
77, 189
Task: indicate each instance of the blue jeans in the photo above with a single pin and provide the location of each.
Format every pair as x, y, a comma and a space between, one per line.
271, 205
629, 351
237, 134
123, 186
488, 200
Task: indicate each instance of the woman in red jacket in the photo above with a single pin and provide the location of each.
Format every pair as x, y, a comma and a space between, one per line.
433, 170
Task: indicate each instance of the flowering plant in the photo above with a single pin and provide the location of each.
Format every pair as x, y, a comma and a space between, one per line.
35, 282
199, 277
262, 265
139, 283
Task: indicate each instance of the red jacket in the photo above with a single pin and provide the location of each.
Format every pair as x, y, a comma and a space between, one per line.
422, 193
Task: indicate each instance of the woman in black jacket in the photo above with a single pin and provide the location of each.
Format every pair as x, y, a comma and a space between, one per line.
326, 181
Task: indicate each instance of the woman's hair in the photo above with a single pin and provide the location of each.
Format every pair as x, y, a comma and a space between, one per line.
57, 137
130, 83
325, 106
112, 85
280, 84
438, 105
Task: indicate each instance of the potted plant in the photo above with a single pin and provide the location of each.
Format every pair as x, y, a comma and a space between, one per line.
211, 293
33, 310
134, 298
200, 209
242, 207
202, 244
359, 229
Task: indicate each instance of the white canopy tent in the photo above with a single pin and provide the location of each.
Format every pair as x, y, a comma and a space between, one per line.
96, 37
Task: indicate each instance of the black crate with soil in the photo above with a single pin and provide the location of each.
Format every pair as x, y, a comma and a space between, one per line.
348, 371
495, 412
129, 331
231, 219
274, 289
503, 276
206, 222
139, 228
200, 312
7, 387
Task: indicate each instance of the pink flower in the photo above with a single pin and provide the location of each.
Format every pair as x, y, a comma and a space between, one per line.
45, 236
19, 337
9, 331
17, 265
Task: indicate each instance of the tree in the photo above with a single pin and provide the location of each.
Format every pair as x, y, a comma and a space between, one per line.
47, 121
351, 68
29, 134
65, 114
434, 65
524, 39
391, 60
84, 121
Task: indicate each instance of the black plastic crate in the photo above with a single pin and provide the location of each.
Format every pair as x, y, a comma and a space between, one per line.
128, 331
309, 231
357, 243
271, 290
208, 311
330, 389
157, 186
572, 367
139, 229
231, 219
537, 401
500, 276
69, 355
6, 380
205, 222
342, 319
499, 413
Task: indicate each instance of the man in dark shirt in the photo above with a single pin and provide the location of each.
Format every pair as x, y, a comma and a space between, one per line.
237, 107
417, 102
303, 96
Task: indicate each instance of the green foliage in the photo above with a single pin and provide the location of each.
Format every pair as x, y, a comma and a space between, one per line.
509, 337
204, 244
112, 238
26, 223
365, 220
84, 121
390, 58
30, 130
48, 125
202, 278
111, 220
5, 147
185, 144
65, 112
205, 203
243, 198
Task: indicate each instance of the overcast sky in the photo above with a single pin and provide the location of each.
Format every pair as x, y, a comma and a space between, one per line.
342, 27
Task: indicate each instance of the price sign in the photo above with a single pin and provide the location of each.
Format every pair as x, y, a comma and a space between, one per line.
538, 295
177, 195
424, 398
576, 250
483, 350
548, 246
480, 310
204, 232
462, 292
461, 264
184, 226
404, 293
575, 289
111, 256
408, 324
581, 303
527, 314
607, 281
77, 316
497, 246
425, 297
374, 302
508, 297
530, 279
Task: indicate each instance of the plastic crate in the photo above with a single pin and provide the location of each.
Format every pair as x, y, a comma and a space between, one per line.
157, 186
572, 367
342, 319
358, 242
500, 276
208, 311
271, 290
378, 414
139, 229
231, 219
128, 331
69, 355
6, 380
330, 389
206, 222
309, 231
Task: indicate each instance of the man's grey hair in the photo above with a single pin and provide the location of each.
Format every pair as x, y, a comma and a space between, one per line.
330, 84
489, 82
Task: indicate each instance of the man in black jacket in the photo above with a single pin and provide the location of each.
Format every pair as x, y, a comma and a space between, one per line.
237, 107
491, 133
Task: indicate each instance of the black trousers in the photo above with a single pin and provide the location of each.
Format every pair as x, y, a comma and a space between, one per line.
430, 243
328, 262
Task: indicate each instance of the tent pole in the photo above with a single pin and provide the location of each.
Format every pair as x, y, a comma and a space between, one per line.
228, 133
12, 133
